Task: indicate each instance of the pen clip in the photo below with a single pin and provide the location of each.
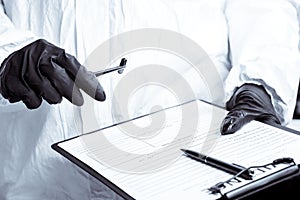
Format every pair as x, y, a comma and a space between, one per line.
245, 170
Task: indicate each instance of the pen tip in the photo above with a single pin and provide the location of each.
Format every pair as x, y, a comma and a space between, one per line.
184, 150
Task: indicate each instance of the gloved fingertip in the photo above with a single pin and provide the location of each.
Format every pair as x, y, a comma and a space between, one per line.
227, 130
229, 126
78, 101
53, 100
75, 97
31, 100
13, 99
32, 104
100, 96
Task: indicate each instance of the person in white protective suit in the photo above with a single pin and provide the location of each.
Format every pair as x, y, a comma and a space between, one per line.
253, 44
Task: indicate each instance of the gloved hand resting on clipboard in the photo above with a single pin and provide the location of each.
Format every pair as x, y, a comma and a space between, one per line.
249, 102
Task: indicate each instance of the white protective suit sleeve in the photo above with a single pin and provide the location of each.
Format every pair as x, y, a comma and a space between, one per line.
11, 39
29, 168
264, 37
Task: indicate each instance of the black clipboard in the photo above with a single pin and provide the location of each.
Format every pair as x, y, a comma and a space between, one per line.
84, 166
93, 172
280, 178
265, 191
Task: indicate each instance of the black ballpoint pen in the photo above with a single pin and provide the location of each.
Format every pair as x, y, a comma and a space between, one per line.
227, 167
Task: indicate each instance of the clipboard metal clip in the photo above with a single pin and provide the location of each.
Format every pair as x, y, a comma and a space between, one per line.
263, 176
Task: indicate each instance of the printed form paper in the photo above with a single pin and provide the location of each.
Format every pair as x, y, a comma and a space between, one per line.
149, 164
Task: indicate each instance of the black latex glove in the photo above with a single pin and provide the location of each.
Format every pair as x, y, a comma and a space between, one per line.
249, 102
41, 70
